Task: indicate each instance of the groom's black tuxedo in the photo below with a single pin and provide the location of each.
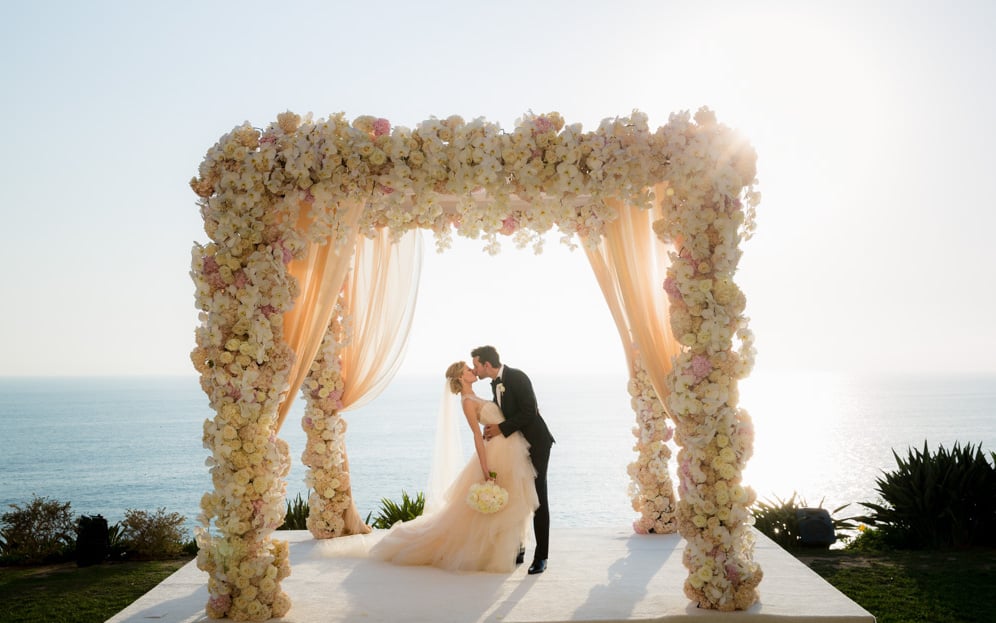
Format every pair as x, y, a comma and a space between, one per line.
518, 404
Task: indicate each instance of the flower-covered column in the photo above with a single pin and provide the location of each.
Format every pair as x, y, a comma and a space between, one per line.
705, 218
651, 487
242, 290
331, 509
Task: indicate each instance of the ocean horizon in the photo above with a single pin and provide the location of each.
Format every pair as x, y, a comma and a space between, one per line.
110, 444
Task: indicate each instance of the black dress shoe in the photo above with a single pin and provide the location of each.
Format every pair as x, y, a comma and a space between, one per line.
538, 566
521, 556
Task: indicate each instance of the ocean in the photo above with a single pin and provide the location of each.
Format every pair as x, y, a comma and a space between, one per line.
107, 445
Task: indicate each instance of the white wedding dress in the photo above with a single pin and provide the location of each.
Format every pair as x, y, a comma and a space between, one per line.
458, 538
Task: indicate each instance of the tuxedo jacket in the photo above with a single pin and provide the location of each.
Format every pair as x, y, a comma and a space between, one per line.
518, 404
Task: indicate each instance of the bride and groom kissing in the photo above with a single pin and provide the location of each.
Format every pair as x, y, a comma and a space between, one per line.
512, 448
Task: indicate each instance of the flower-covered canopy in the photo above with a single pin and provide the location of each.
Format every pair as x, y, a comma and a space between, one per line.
311, 226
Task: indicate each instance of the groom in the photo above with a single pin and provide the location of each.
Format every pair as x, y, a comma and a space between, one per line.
513, 391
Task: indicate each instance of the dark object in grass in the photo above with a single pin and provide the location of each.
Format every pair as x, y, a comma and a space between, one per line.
92, 540
815, 527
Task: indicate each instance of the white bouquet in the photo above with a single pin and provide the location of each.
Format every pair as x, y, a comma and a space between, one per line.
487, 497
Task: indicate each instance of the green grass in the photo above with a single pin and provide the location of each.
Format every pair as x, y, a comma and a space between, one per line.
937, 586
66, 593
953, 586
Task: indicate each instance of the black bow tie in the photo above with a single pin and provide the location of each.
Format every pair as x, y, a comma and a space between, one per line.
495, 381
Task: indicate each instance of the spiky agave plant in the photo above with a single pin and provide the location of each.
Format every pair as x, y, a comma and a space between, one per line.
296, 517
937, 500
391, 512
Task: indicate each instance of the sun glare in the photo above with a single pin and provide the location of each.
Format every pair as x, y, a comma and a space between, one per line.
792, 414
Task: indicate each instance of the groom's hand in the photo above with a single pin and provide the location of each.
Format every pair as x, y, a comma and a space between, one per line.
490, 430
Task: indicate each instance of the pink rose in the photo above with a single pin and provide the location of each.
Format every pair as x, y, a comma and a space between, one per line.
381, 127
701, 367
541, 125
220, 603
671, 287
668, 433
336, 396
732, 573
215, 281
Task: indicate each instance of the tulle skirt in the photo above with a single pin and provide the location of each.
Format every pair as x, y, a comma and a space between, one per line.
459, 538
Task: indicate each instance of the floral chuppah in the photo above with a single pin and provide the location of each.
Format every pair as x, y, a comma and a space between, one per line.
269, 197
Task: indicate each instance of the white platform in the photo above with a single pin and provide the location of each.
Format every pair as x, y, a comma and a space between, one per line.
594, 575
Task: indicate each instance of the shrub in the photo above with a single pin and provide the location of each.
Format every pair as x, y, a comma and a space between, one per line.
868, 540
153, 536
940, 500
42, 531
296, 517
117, 546
779, 520
390, 512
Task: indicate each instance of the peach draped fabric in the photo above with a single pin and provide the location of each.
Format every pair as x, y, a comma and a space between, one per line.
379, 298
630, 264
379, 294
319, 275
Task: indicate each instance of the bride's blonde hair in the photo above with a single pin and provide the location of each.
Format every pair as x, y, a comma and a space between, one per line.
453, 374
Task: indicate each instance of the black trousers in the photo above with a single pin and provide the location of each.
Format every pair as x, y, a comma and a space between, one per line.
540, 457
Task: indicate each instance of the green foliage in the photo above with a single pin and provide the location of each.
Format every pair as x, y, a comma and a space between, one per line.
869, 540
117, 545
66, 593
297, 514
908, 586
940, 500
42, 531
391, 512
153, 536
190, 548
779, 520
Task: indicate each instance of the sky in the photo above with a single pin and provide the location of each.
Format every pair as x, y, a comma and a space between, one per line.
873, 123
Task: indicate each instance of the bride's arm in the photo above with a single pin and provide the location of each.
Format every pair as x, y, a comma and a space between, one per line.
471, 409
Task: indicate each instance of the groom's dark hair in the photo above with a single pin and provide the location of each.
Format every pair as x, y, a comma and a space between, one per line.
487, 354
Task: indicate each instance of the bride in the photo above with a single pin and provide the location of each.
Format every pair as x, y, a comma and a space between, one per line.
458, 537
